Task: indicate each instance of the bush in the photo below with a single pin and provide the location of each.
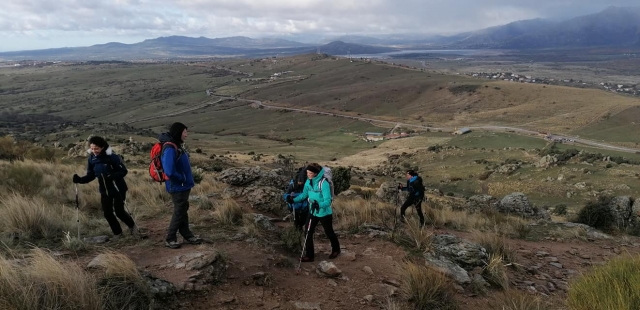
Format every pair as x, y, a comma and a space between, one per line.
597, 214
228, 213
341, 177
560, 209
292, 239
23, 179
615, 285
41, 153
427, 289
495, 273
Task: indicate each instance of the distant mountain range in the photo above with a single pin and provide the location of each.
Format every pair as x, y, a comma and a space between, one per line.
613, 27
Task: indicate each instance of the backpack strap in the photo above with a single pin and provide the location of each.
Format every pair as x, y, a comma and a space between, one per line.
175, 146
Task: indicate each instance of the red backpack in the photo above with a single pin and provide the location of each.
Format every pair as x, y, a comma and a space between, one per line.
155, 167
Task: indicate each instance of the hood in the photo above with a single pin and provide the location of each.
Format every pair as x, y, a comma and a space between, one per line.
165, 137
109, 151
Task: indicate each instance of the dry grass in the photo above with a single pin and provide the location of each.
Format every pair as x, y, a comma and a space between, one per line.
615, 285
427, 288
45, 283
350, 214
495, 272
495, 245
518, 300
414, 236
121, 285
33, 218
228, 213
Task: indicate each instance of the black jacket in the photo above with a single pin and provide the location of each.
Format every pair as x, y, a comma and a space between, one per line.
108, 168
414, 187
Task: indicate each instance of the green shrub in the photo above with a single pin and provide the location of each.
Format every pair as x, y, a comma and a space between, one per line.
560, 209
291, 239
341, 177
597, 214
615, 285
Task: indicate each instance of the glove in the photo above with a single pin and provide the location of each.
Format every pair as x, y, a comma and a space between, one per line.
315, 207
399, 186
290, 199
76, 178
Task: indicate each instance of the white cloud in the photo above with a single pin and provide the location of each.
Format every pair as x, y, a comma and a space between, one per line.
27, 24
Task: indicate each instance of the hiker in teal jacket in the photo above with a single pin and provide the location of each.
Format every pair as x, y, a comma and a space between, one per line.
317, 190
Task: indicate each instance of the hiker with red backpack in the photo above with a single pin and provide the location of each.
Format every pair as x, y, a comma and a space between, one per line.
106, 166
318, 191
175, 171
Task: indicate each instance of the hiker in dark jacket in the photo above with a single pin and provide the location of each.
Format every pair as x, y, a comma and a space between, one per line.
299, 210
107, 167
176, 165
415, 196
318, 191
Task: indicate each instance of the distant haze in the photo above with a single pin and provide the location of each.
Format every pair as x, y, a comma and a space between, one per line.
39, 24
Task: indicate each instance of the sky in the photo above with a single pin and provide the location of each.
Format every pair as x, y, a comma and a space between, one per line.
40, 24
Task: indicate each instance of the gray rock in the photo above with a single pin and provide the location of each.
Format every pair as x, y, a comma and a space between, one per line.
449, 268
210, 266
98, 262
328, 269
477, 203
264, 222
508, 169
267, 199
462, 252
256, 176
622, 210
306, 305
388, 192
350, 194
367, 270
518, 204
546, 161
368, 298
96, 239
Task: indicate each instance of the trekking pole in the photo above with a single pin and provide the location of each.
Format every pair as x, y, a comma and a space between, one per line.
304, 246
77, 210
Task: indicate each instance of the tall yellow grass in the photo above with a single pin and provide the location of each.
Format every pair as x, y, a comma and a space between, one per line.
615, 285
427, 288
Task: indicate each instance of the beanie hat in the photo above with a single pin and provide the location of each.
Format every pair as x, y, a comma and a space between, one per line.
175, 131
313, 169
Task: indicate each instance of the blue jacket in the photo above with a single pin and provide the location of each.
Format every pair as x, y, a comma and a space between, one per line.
176, 166
415, 187
315, 192
108, 168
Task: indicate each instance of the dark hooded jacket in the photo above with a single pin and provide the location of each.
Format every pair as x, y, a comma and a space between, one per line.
108, 168
176, 165
415, 188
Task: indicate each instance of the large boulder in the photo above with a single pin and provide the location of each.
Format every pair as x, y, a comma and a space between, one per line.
546, 161
481, 203
256, 176
462, 252
519, 205
622, 210
449, 268
388, 192
264, 198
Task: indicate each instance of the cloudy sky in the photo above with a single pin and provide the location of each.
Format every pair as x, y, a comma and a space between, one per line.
37, 24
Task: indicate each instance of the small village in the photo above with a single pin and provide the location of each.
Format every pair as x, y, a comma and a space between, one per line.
633, 90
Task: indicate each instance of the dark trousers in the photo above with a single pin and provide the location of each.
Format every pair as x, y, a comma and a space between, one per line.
412, 201
111, 204
327, 224
180, 219
300, 218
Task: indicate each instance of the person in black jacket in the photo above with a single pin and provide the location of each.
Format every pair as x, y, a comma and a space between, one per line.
108, 168
415, 197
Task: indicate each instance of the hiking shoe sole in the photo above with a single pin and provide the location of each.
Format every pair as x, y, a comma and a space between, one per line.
172, 244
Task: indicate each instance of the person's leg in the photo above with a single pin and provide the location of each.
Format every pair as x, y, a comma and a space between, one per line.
420, 214
184, 229
107, 210
327, 224
121, 213
178, 216
301, 219
310, 252
404, 207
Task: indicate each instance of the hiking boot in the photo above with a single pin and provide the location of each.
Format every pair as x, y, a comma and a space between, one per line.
193, 240
115, 237
334, 255
306, 259
134, 231
172, 244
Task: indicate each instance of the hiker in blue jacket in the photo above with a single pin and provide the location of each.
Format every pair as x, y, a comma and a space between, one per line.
103, 164
176, 165
415, 196
299, 210
318, 191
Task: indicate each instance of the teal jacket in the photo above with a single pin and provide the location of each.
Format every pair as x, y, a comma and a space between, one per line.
314, 192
